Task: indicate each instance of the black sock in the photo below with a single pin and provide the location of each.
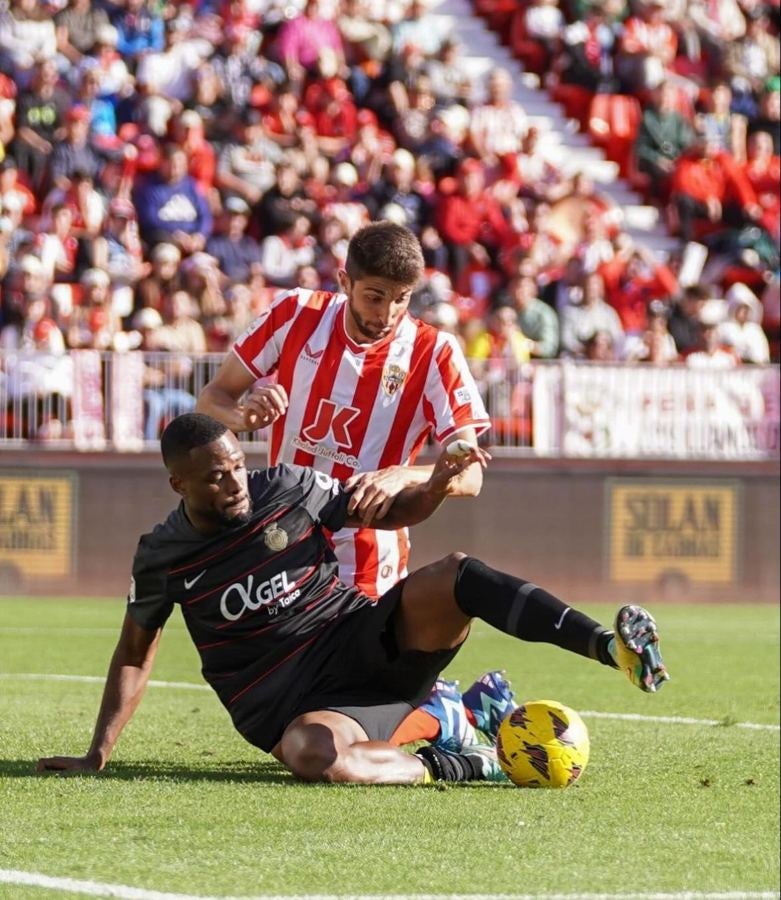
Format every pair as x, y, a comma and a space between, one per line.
522, 609
445, 765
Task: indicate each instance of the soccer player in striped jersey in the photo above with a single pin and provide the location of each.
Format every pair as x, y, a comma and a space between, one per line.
310, 669
359, 387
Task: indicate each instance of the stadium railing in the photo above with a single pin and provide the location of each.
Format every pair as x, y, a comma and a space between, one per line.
86, 400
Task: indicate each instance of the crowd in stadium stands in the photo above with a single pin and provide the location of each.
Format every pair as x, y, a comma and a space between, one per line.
166, 168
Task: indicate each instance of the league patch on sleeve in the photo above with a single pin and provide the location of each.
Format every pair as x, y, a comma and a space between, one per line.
463, 396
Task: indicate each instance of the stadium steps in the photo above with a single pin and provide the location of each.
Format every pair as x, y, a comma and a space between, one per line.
561, 142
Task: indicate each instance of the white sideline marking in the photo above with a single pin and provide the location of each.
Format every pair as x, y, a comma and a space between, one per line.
678, 720
191, 686
124, 892
98, 679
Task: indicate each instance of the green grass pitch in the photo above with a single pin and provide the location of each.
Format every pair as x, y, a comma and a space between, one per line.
187, 806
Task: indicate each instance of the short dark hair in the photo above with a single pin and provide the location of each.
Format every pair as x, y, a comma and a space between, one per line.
385, 250
185, 433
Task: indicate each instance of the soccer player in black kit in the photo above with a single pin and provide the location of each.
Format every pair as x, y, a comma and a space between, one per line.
310, 670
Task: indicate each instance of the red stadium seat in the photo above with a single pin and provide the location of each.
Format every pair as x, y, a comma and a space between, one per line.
613, 121
575, 99
530, 52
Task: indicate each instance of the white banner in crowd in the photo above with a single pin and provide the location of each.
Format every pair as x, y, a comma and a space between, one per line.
89, 430
127, 401
646, 411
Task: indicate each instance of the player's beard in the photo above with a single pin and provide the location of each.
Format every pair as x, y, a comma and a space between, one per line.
237, 520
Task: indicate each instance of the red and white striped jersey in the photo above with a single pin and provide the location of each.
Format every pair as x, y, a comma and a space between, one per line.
359, 407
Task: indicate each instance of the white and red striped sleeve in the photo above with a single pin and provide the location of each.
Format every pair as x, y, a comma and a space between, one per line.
452, 400
260, 347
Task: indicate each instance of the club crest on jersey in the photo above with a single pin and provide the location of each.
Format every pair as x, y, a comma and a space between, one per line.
275, 538
393, 377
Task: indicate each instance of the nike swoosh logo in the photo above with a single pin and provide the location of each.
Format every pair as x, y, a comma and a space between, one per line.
558, 624
189, 582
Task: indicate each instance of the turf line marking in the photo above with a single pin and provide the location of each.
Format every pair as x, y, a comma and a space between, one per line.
125, 892
678, 720
98, 679
594, 714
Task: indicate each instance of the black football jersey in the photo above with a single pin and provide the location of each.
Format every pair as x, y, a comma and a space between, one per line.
254, 595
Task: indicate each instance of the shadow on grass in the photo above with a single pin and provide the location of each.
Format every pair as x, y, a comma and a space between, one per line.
262, 772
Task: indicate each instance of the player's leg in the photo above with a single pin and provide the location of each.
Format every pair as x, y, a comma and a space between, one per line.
325, 745
440, 600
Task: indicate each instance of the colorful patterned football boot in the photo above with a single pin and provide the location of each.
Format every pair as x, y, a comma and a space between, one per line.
490, 700
445, 704
635, 648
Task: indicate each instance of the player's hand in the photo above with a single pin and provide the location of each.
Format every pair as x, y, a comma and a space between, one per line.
264, 405
88, 763
456, 457
374, 492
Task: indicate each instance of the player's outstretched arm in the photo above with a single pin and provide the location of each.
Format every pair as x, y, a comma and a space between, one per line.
415, 503
127, 677
222, 399
373, 493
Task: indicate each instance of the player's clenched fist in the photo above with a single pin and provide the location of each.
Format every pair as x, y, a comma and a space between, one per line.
264, 405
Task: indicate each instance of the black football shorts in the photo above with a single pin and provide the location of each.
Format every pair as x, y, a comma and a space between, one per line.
354, 668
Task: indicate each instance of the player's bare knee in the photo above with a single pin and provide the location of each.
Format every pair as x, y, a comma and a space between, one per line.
309, 750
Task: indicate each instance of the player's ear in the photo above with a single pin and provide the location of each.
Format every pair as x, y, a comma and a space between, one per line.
176, 484
344, 280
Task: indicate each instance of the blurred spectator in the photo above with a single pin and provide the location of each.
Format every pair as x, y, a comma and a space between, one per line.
743, 330
655, 345
498, 126
470, 220
170, 206
140, 29
769, 118
284, 198
417, 30
398, 187
567, 290
412, 123
27, 36
587, 55
246, 163
163, 397
186, 131
302, 39
75, 153
647, 48
237, 254
77, 27
711, 353
94, 324
684, 321
40, 112
599, 347
157, 288
663, 135
536, 319
118, 251
592, 315
719, 125
763, 171
633, 278
170, 70
283, 253
710, 188
449, 83
181, 332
